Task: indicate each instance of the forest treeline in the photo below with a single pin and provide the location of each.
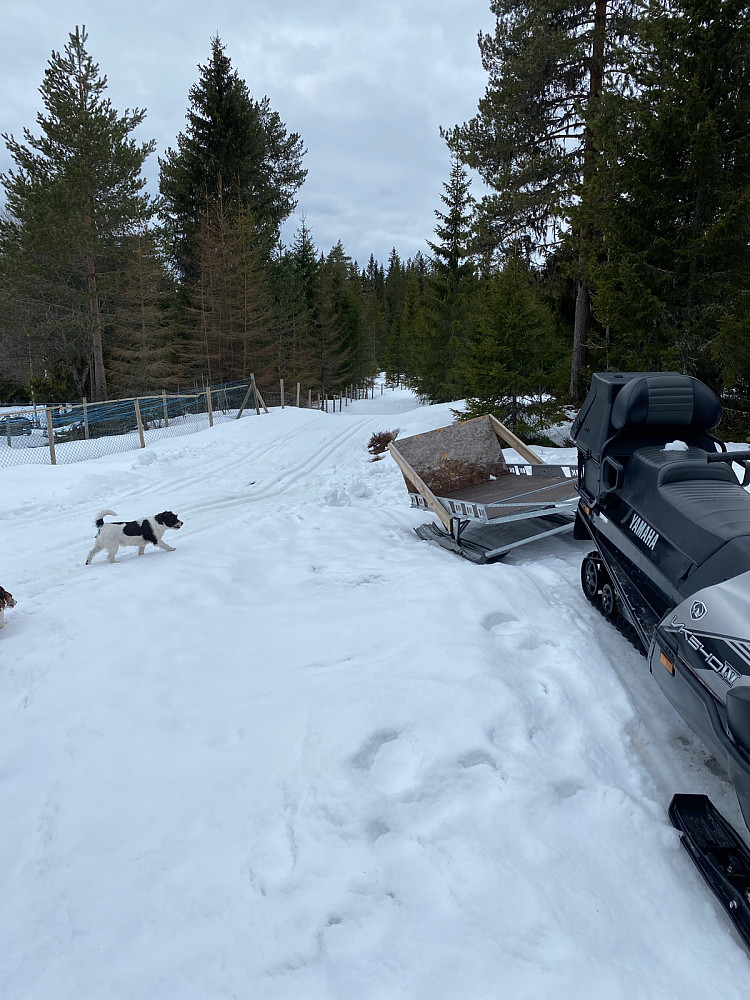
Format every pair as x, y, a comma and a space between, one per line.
612, 231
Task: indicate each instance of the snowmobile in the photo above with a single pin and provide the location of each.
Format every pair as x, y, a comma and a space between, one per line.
669, 519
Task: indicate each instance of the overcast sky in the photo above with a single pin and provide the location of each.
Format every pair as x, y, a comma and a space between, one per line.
366, 85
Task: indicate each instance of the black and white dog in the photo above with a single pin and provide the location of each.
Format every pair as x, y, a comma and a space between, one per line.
6, 601
112, 534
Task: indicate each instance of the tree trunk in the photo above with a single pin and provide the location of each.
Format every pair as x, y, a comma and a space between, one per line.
580, 335
100, 378
583, 295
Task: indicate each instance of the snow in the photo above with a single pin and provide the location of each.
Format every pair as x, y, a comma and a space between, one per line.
307, 756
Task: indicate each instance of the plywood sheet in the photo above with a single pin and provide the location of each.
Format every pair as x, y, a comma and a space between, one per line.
454, 457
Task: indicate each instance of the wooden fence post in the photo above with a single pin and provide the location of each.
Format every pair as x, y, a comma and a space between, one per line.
139, 422
282, 393
208, 406
258, 397
244, 401
298, 394
85, 418
51, 437
166, 410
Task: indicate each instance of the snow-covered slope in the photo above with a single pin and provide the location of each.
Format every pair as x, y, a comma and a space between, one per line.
309, 756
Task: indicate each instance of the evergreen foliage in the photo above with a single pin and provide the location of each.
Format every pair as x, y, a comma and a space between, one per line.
512, 363
670, 264
146, 353
441, 335
615, 232
73, 198
235, 151
530, 141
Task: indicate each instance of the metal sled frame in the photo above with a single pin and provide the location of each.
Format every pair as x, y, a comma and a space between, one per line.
486, 506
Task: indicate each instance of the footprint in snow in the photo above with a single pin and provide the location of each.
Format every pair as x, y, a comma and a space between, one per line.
365, 757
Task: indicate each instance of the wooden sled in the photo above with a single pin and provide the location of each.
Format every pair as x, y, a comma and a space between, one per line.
486, 507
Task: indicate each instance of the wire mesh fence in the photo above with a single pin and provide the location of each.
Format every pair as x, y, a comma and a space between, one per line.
74, 432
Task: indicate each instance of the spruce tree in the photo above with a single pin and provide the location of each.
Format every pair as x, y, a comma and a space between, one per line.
416, 344
146, 352
373, 309
548, 65
303, 359
72, 199
512, 362
449, 286
341, 274
337, 331
235, 150
672, 196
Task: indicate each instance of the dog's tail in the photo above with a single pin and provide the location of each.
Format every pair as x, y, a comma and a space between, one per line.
101, 515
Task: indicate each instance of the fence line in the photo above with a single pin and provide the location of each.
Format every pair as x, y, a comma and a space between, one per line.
74, 432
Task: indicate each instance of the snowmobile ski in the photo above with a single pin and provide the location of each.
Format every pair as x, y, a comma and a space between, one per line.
718, 853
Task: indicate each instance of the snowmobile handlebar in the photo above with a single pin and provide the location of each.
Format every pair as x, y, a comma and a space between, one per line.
729, 456
741, 457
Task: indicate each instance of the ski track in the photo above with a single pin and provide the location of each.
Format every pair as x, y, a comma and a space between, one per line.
338, 856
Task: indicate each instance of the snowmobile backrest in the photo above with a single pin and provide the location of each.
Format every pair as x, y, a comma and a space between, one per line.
665, 402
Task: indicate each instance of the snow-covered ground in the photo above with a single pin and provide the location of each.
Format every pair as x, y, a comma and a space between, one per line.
307, 756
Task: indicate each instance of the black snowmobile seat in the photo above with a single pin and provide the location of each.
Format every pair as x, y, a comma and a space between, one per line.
655, 466
698, 506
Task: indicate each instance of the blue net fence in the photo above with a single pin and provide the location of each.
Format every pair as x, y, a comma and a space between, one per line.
74, 432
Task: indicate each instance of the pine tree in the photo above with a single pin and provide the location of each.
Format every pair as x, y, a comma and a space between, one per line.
415, 343
232, 297
548, 65
511, 364
300, 268
336, 332
74, 195
395, 358
672, 268
146, 352
341, 275
373, 311
448, 294
234, 149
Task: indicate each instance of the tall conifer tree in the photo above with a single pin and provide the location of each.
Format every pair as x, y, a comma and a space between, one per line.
671, 197
548, 65
442, 345
75, 194
236, 150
